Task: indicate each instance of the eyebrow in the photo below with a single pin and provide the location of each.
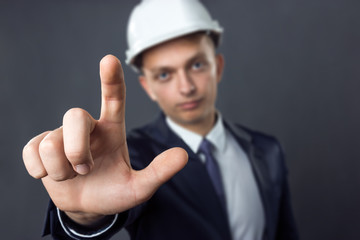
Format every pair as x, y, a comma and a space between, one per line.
187, 63
195, 57
161, 69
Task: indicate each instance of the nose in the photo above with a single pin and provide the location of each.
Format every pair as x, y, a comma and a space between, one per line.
186, 84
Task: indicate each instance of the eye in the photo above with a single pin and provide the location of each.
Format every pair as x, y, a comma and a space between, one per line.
163, 76
197, 65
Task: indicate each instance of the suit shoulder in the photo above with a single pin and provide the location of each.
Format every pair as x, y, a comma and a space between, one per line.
259, 136
263, 141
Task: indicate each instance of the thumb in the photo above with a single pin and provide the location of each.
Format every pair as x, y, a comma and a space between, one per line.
160, 170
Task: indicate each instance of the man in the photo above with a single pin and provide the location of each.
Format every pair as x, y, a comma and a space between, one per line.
234, 184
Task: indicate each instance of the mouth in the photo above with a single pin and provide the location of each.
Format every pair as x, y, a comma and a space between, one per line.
189, 105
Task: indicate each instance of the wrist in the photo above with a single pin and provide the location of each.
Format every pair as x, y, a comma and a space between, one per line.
85, 219
85, 225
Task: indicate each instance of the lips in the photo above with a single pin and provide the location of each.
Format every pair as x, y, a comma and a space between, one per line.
189, 105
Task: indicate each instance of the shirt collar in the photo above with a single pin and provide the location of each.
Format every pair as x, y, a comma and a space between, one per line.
216, 136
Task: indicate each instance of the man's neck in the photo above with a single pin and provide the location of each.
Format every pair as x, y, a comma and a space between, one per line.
202, 127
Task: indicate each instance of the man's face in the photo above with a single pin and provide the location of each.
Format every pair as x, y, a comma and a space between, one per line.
181, 75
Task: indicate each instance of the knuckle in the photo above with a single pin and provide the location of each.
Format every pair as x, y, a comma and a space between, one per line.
75, 113
48, 146
29, 150
33, 165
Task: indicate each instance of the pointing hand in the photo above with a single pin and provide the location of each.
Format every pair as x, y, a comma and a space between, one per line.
85, 166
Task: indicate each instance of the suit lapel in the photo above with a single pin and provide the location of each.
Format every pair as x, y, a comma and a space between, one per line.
193, 181
258, 164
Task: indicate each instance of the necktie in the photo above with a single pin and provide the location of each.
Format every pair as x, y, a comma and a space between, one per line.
213, 170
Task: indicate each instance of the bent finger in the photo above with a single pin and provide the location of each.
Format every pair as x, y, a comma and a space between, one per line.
77, 127
53, 157
31, 157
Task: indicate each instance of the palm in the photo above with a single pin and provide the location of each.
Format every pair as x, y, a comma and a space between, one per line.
111, 186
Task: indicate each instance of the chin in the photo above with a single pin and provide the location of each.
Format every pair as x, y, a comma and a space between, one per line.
193, 117
192, 120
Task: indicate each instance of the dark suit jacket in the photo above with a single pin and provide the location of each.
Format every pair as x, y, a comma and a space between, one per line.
187, 207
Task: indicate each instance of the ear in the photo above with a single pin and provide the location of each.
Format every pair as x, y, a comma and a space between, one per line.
220, 62
145, 85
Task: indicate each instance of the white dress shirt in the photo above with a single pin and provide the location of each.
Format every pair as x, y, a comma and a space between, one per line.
244, 206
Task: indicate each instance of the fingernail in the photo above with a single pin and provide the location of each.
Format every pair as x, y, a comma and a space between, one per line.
82, 169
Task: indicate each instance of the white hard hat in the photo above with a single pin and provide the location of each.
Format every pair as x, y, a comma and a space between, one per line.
155, 21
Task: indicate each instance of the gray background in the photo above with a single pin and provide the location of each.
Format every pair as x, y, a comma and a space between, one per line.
292, 70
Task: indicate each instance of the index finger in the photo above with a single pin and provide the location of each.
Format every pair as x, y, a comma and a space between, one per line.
112, 90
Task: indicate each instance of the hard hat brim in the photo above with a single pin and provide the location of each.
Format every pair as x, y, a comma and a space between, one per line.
137, 49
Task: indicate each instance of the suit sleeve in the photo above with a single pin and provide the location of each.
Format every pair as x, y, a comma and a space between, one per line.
286, 226
61, 227
286, 229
